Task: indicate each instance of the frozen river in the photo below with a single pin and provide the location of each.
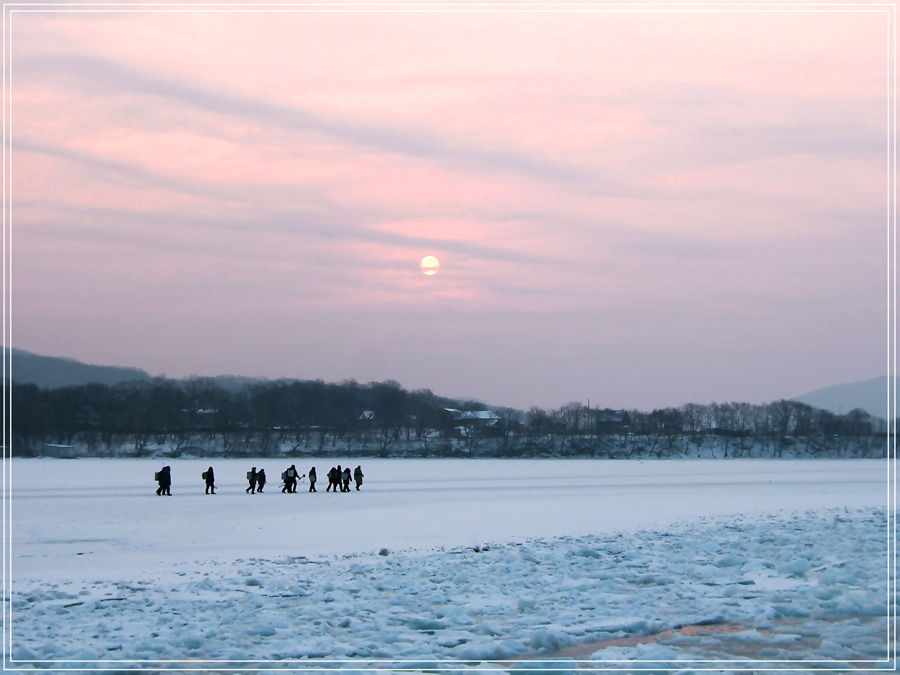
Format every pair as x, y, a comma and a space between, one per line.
487, 561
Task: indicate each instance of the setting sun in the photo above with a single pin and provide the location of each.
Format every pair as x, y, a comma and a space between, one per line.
430, 265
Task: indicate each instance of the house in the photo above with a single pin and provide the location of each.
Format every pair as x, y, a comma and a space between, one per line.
611, 421
469, 421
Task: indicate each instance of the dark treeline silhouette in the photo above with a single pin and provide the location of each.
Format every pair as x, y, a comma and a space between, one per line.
203, 417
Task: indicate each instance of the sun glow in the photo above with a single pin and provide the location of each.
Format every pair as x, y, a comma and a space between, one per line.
430, 265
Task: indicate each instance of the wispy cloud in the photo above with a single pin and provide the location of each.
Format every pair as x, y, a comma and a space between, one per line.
100, 75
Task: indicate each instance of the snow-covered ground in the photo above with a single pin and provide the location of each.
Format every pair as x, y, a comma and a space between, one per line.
453, 564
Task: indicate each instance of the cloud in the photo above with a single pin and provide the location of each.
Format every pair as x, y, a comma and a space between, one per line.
94, 74
147, 227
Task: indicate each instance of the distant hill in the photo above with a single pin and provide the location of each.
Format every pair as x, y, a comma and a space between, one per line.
870, 395
52, 372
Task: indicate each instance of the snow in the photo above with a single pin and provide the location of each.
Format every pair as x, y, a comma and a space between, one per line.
439, 565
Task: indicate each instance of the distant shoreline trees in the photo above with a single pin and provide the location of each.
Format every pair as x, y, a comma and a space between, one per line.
204, 417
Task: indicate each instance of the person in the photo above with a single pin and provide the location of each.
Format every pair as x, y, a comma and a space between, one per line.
330, 477
164, 478
290, 479
312, 479
210, 479
251, 476
297, 478
358, 476
260, 480
345, 480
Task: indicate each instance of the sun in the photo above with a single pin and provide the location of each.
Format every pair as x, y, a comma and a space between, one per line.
430, 265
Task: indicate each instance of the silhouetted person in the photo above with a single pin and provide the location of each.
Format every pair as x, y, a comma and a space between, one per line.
251, 476
358, 476
312, 480
210, 479
345, 480
332, 481
260, 480
164, 478
290, 479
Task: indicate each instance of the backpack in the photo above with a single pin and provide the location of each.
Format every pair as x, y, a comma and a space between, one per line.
203, 475
156, 475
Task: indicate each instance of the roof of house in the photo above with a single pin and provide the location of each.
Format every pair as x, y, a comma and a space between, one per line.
473, 414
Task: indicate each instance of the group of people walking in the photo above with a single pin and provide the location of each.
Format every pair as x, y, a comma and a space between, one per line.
257, 480
338, 478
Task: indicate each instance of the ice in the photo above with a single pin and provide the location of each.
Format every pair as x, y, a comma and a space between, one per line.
481, 577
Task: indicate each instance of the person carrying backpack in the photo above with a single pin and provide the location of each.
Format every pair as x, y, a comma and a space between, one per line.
210, 479
290, 480
251, 476
164, 478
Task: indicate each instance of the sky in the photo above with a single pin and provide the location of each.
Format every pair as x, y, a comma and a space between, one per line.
634, 207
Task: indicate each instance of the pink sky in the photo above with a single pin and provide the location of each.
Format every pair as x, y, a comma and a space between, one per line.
640, 208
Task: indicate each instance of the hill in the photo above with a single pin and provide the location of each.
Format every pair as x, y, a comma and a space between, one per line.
51, 372
870, 395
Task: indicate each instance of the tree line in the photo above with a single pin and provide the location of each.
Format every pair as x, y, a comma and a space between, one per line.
206, 416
